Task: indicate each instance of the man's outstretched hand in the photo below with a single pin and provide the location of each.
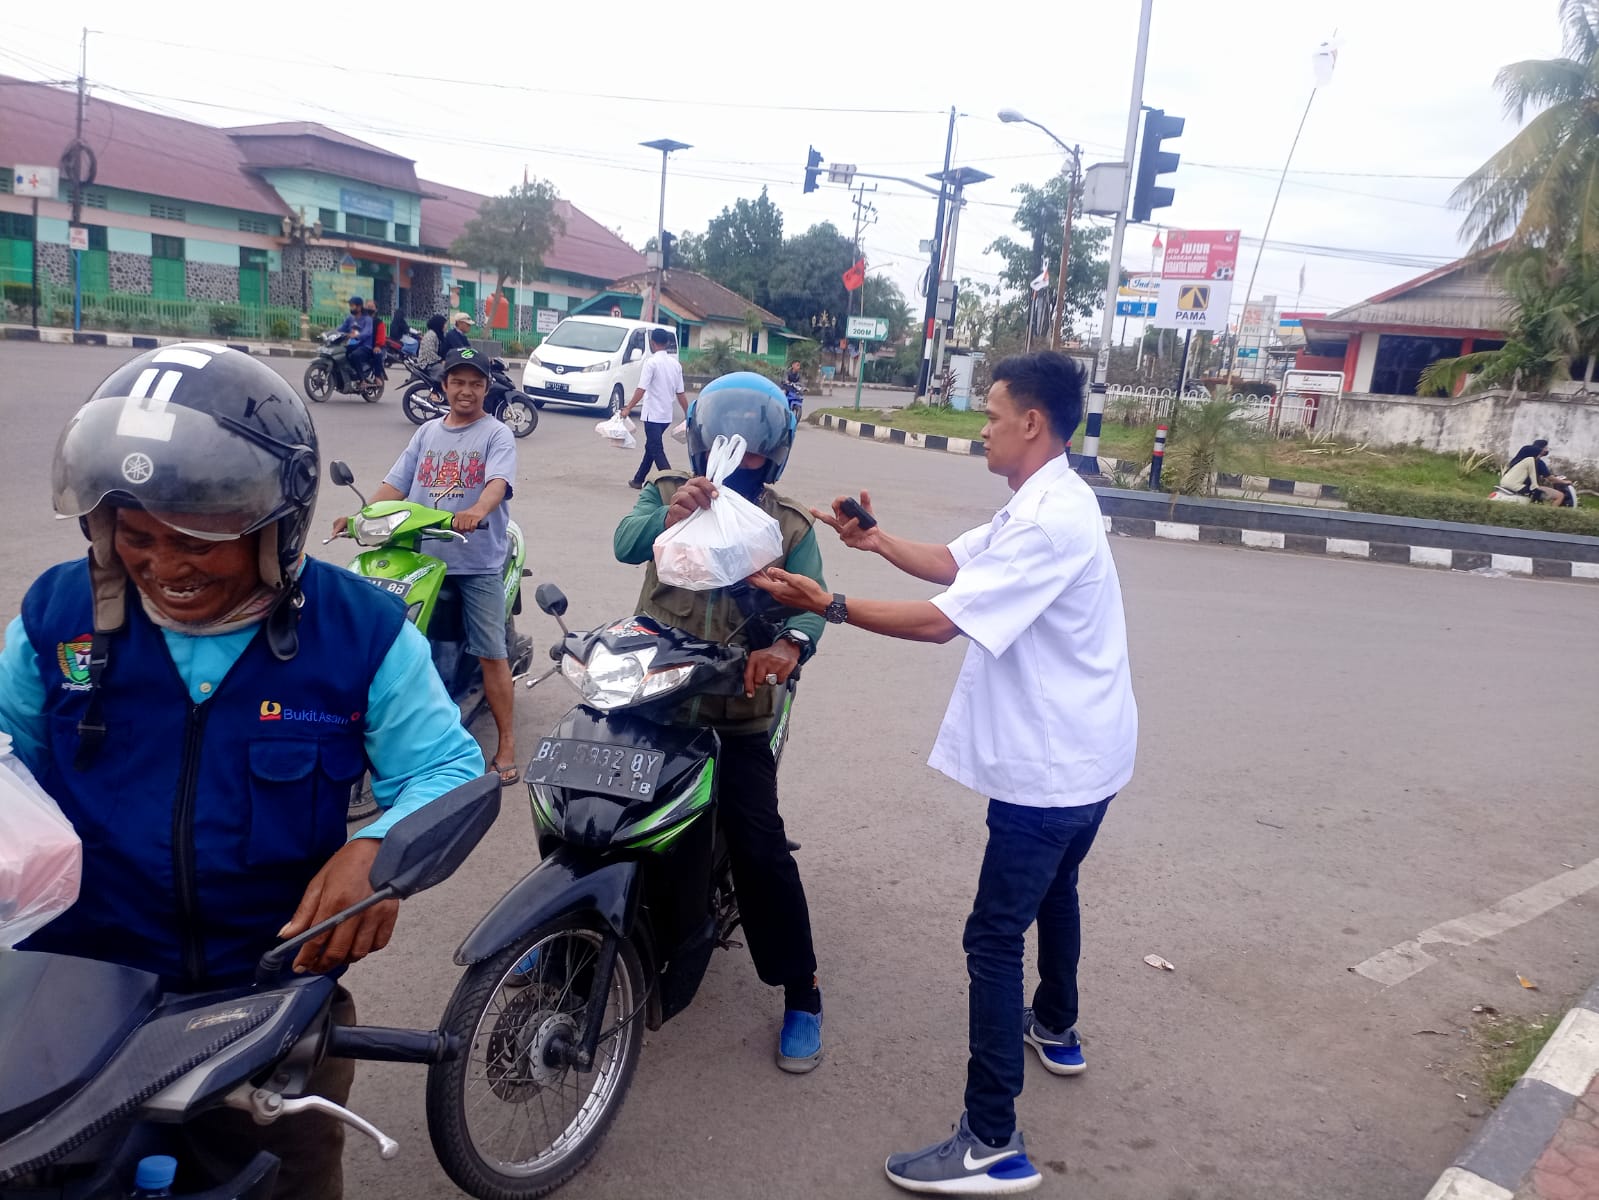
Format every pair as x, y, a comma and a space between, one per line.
848, 528
792, 591
341, 882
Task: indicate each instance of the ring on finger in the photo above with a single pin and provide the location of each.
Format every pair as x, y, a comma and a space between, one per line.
771, 680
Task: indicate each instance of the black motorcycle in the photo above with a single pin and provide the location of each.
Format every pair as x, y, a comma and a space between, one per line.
423, 399
99, 1068
612, 932
332, 371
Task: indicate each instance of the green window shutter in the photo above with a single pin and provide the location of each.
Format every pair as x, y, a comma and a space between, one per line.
96, 273
168, 279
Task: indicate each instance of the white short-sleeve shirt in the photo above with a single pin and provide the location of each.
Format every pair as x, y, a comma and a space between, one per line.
1043, 712
662, 380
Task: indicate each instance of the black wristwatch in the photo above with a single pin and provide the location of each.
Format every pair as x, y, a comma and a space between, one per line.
802, 641
838, 611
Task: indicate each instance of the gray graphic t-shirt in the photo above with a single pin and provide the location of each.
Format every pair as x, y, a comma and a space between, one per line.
448, 468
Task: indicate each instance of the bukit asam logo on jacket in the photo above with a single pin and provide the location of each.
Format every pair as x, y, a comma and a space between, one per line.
73, 659
272, 710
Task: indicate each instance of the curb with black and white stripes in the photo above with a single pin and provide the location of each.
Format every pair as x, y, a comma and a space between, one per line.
1515, 1137
1297, 488
1388, 552
140, 341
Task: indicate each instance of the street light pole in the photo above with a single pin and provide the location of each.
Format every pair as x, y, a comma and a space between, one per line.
665, 146
1010, 116
930, 317
1107, 330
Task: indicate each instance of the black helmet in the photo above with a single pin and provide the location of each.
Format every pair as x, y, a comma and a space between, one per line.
208, 440
356, 300
746, 404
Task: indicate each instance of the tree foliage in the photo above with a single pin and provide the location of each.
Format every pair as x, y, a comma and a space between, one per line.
741, 244
512, 233
806, 283
1541, 189
1040, 215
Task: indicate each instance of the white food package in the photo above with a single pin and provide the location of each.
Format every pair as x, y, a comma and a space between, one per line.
618, 430
680, 432
41, 858
721, 545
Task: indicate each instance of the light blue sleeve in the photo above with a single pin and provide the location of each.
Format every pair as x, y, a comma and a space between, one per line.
502, 458
22, 698
414, 738
402, 475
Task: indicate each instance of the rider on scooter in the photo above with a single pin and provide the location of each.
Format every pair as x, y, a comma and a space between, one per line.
358, 325
765, 875
212, 679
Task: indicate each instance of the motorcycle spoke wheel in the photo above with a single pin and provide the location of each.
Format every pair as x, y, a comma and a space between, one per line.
518, 416
318, 382
508, 1118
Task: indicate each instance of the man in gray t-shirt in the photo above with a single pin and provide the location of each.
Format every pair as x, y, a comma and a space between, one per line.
465, 463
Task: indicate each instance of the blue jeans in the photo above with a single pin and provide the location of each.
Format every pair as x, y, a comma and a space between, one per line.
483, 613
1029, 873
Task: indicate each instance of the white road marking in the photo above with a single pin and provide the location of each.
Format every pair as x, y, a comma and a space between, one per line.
1398, 963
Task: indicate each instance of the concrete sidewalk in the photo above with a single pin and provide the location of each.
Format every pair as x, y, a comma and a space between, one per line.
1542, 1142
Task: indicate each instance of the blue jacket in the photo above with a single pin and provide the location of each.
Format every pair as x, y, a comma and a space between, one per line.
214, 815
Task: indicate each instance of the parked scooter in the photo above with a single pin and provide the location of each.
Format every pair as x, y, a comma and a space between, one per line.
613, 930
99, 1068
332, 371
392, 532
423, 398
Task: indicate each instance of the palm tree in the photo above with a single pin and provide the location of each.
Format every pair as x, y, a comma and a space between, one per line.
1548, 324
1541, 190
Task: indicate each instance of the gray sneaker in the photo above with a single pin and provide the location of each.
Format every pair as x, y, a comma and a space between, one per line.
965, 1166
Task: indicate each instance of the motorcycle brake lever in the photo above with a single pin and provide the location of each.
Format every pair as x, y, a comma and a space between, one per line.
267, 1106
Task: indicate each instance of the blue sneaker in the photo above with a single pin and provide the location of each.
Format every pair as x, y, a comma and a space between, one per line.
1061, 1053
799, 1046
965, 1166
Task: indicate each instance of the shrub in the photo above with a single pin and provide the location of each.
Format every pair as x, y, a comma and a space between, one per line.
1433, 506
281, 329
20, 294
226, 319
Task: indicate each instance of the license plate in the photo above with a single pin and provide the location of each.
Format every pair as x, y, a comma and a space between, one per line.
554, 386
596, 767
393, 586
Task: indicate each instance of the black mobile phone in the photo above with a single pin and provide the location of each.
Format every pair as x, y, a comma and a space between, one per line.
852, 508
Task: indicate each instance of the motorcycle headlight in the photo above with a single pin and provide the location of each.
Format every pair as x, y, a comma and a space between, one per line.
597, 368
610, 680
374, 531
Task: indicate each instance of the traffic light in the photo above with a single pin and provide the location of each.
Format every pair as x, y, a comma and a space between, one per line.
813, 168
668, 241
1154, 162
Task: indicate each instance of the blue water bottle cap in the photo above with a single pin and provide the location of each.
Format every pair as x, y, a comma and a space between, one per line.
155, 1173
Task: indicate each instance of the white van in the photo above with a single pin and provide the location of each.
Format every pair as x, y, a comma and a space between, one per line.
590, 360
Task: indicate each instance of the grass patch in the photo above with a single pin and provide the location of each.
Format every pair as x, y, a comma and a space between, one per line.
1508, 1046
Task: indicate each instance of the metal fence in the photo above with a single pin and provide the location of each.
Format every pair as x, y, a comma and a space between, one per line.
124, 312
1275, 413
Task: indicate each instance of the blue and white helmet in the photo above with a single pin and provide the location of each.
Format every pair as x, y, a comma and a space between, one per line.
746, 404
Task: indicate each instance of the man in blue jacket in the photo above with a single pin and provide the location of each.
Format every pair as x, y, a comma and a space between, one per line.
202, 729
360, 328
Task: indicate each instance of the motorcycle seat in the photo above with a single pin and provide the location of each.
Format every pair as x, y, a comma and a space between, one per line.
65, 1017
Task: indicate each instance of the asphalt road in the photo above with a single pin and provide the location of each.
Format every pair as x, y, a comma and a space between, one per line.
1335, 756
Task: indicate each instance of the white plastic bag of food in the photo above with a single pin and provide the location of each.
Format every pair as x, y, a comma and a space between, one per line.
721, 545
618, 430
41, 858
680, 432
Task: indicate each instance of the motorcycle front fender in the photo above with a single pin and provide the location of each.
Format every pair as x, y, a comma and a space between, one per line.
563, 885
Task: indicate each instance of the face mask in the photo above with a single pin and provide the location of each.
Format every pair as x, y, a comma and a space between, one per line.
747, 482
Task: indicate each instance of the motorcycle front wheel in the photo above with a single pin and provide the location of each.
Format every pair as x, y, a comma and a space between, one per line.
519, 416
509, 1120
372, 389
318, 382
420, 405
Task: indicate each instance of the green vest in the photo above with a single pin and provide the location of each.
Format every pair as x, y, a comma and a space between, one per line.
713, 615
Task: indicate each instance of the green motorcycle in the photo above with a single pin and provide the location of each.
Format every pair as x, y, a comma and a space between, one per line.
393, 532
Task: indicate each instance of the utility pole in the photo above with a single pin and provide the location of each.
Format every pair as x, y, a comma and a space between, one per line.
665, 146
960, 178
74, 164
861, 209
1096, 398
930, 314
1066, 247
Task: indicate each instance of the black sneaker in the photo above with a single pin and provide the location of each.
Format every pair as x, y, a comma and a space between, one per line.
636, 484
964, 1165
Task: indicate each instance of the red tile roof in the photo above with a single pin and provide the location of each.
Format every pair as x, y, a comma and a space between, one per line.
584, 247
137, 150
703, 295
307, 146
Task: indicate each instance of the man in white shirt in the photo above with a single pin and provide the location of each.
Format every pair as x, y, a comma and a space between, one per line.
1042, 721
659, 381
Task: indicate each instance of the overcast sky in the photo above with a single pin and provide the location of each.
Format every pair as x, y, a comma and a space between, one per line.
571, 90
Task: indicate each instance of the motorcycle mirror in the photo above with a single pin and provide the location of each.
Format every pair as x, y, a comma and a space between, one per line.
339, 471
427, 846
550, 599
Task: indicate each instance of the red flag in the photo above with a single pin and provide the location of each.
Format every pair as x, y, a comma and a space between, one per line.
856, 276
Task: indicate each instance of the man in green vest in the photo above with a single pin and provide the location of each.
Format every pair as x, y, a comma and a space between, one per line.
770, 895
